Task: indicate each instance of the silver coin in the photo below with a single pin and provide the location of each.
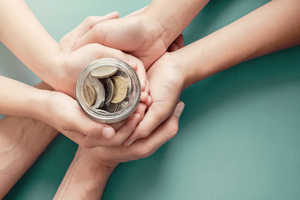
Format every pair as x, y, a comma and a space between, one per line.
112, 107
100, 111
104, 71
126, 78
100, 91
109, 89
124, 103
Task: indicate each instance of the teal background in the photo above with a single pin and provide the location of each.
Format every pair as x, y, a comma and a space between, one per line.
239, 135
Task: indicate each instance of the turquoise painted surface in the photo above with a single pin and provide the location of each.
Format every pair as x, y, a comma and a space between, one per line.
239, 135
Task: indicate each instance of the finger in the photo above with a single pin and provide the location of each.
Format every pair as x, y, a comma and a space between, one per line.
179, 41
84, 125
94, 51
176, 44
69, 39
145, 147
141, 109
173, 47
137, 12
156, 114
147, 87
114, 33
144, 97
149, 101
121, 135
82, 139
117, 139
140, 70
124, 132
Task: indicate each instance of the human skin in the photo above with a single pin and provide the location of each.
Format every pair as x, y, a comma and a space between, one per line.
272, 27
148, 33
59, 67
90, 169
66, 115
22, 140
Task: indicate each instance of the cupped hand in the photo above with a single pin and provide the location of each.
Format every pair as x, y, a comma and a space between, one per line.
70, 63
136, 34
63, 113
110, 157
166, 82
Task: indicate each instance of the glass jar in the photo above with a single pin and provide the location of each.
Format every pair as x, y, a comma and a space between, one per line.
103, 110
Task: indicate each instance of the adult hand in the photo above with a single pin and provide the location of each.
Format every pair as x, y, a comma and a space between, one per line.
69, 63
88, 173
166, 84
137, 34
63, 113
110, 157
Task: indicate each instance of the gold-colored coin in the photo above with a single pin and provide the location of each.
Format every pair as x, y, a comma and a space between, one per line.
89, 94
104, 71
120, 91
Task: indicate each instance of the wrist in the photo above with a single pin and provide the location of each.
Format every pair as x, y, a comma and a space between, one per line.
85, 178
95, 164
37, 104
165, 30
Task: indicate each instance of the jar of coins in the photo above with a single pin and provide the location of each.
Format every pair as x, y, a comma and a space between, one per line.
108, 90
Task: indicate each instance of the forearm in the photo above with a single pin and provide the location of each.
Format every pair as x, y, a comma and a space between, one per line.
272, 27
22, 140
174, 15
85, 179
21, 100
22, 33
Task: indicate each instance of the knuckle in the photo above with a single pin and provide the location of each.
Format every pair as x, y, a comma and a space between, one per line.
142, 134
144, 152
89, 131
86, 144
172, 130
90, 21
116, 143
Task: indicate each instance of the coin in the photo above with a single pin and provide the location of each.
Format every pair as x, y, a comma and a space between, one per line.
112, 107
89, 94
124, 103
126, 78
104, 71
100, 92
120, 90
109, 89
100, 111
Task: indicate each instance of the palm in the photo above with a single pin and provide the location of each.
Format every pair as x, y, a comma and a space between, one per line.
165, 85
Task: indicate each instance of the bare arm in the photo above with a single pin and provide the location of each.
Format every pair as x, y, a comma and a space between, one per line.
22, 140
87, 175
272, 27
173, 16
22, 33
146, 34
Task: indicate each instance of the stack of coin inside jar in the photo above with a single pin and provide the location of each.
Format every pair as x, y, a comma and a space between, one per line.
108, 90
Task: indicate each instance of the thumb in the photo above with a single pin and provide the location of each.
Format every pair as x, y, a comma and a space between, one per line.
70, 38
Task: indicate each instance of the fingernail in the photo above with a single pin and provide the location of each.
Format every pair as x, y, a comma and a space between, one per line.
130, 142
179, 109
108, 132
